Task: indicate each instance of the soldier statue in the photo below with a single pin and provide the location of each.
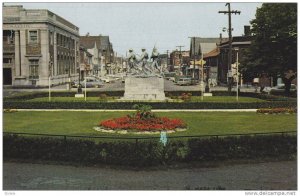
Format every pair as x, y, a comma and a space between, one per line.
143, 59
154, 58
131, 60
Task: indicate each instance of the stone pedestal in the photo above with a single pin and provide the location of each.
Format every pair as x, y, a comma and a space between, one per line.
207, 94
79, 95
144, 89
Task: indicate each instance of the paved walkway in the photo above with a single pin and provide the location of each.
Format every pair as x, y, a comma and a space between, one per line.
267, 176
154, 110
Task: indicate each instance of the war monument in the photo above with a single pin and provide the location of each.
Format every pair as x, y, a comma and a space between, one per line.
144, 81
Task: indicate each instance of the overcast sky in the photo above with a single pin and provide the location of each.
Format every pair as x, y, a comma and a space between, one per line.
137, 25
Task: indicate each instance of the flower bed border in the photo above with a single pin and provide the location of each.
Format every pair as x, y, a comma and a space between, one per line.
123, 131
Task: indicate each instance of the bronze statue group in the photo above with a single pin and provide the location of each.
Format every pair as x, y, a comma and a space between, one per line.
141, 66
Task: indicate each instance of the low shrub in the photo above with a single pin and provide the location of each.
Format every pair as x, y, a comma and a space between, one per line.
186, 97
149, 152
277, 110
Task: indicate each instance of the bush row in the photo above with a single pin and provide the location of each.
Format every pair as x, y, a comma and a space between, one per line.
168, 94
277, 110
149, 153
64, 94
154, 105
263, 96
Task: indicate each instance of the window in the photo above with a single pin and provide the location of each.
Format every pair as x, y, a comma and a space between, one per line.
33, 69
8, 37
33, 36
51, 38
7, 60
58, 39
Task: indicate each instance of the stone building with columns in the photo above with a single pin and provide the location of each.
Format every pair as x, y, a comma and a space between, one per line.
38, 44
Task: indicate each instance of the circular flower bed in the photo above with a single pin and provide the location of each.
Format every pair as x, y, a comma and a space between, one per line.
143, 121
139, 124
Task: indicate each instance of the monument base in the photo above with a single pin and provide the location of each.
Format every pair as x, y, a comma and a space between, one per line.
144, 89
207, 94
79, 95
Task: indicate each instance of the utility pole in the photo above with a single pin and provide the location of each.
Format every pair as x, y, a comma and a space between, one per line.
180, 56
229, 12
167, 59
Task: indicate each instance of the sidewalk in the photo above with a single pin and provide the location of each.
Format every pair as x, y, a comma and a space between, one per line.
158, 110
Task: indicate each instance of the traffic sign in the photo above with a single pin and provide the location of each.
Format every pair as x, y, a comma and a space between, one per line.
200, 62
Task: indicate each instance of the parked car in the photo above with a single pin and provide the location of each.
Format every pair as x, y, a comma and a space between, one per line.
184, 81
279, 89
169, 75
91, 82
106, 80
172, 79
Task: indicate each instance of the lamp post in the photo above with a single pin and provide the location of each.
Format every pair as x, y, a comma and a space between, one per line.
202, 77
85, 69
237, 73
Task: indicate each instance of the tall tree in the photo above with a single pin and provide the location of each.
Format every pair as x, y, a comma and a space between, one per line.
274, 48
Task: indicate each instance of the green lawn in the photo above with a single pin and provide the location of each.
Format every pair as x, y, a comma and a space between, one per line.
194, 99
199, 123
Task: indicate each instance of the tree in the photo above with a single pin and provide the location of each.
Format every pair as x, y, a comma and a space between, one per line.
274, 48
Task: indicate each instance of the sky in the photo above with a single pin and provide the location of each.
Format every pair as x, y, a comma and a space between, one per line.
145, 25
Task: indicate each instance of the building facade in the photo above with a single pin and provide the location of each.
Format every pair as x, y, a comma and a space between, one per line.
38, 44
179, 61
240, 44
86, 63
92, 45
101, 49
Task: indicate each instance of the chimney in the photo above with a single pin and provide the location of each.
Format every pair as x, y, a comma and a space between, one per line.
247, 31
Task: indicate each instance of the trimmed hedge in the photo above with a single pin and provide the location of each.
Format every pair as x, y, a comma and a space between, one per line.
168, 93
149, 152
64, 94
277, 110
155, 105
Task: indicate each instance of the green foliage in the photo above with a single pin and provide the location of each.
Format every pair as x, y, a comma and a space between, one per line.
103, 97
186, 97
148, 153
277, 110
143, 111
274, 48
154, 105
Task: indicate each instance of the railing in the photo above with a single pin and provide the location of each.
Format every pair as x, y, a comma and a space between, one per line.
65, 137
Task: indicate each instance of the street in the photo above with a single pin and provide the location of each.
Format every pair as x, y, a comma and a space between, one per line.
119, 86
255, 176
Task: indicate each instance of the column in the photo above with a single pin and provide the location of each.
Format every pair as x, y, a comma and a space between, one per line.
17, 54
24, 71
76, 59
55, 67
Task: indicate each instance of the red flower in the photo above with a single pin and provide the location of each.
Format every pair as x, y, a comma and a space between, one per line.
137, 123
